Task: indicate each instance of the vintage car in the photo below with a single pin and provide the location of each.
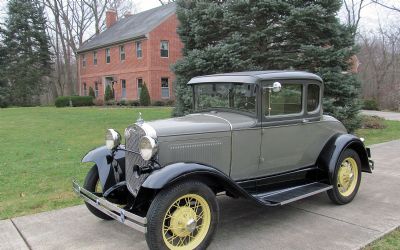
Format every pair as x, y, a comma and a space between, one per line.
261, 136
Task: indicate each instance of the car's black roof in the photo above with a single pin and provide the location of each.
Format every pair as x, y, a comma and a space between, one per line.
254, 76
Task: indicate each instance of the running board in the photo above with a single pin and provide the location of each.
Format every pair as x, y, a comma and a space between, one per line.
287, 195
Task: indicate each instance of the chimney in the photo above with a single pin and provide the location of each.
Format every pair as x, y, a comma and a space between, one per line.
111, 18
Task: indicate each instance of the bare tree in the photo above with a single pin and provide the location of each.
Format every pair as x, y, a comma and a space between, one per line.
164, 2
353, 12
99, 7
70, 22
380, 68
386, 5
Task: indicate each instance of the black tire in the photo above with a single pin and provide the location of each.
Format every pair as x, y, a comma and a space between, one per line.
162, 203
334, 194
92, 178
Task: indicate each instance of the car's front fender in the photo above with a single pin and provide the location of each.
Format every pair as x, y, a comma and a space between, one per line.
178, 171
332, 150
103, 158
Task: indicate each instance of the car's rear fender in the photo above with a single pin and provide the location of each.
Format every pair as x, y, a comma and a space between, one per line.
104, 160
332, 150
179, 171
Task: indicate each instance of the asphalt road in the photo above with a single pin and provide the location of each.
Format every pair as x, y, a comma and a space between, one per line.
313, 223
395, 116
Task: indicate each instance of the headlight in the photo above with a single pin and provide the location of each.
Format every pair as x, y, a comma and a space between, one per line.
147, 147
113, 139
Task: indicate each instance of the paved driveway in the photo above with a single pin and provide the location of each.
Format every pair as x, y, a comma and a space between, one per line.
313, 223
395, 116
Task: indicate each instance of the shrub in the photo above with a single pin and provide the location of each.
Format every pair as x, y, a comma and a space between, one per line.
108, 95
122, 103
110, 103
144, 96
158, 103
4, 98
98, 102
374, 122
134, 103
91, 92
76, 101
370, 104
170, 103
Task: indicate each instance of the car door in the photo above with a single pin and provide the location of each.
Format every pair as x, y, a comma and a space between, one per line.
289, 126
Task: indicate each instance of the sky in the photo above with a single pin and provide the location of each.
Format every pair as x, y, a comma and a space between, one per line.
371, 17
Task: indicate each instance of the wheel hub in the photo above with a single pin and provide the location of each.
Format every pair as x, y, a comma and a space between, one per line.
346, 176
183, 221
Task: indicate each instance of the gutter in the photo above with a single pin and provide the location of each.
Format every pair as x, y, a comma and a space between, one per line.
79, 51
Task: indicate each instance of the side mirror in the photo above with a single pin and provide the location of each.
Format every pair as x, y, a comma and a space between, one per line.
276, 86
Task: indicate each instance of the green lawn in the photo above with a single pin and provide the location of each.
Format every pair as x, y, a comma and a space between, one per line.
373, 136
388, 242
41, 149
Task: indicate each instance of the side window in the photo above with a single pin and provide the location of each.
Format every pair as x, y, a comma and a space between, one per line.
139, 49
83, 60
94, 57
164, 48
123, 86
122, 53
139, 86
312, 97
164, 88
285, 102
96, 89
108, 55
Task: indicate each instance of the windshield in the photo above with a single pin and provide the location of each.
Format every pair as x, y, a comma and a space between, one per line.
236, 96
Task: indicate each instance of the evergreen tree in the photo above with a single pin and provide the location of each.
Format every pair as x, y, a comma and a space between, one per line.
108, 95
91, 92
4, 88
27, 48
144, 96
226, 36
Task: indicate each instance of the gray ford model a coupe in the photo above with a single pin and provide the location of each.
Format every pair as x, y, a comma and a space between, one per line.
256, 135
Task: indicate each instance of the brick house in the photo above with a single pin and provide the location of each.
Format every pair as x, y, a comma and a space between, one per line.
134, 50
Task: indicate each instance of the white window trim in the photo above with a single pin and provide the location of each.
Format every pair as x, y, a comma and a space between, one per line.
167, 49
109, 52
141, 49
120, 53
95, 53
169, 94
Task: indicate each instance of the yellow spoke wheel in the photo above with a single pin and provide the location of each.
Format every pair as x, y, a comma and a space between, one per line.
347, 177
186, 222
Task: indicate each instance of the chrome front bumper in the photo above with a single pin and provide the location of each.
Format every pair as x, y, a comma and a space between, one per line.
131, 220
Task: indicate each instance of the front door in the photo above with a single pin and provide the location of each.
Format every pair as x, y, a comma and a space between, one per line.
287, 129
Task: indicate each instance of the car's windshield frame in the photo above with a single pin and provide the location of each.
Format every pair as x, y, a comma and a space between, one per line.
226, 109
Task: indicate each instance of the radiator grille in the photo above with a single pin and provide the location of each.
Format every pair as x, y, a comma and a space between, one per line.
133, 180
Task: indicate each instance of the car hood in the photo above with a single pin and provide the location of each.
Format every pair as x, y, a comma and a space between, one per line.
202, 123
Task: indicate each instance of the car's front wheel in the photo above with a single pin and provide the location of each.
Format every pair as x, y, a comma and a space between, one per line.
93, 185
182, 216
347, 178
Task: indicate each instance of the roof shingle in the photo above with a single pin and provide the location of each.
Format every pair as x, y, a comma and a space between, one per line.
130, 28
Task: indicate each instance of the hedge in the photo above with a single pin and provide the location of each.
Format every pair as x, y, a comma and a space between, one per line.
77, 101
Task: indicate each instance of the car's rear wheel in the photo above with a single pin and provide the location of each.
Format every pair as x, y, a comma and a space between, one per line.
347, 178
183, 216
92, 184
